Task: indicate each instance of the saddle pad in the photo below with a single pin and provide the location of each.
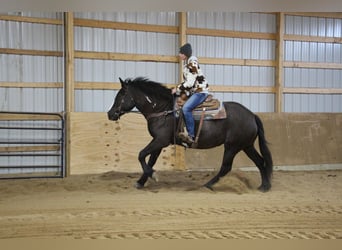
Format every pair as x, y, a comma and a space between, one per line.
210, 114
213, 109
208, 105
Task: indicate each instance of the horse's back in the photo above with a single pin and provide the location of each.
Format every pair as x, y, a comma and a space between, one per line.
239, 124
237, 107
240, 120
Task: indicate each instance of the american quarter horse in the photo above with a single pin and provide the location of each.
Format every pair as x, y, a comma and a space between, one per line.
238, 131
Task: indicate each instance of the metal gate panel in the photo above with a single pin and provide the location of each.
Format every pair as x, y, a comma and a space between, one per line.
31, 145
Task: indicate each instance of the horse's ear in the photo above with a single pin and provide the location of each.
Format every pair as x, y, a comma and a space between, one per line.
123, 83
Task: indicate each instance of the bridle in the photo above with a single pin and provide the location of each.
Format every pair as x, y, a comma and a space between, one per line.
120, 112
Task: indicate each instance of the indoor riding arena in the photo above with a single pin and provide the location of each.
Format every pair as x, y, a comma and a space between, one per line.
68, 172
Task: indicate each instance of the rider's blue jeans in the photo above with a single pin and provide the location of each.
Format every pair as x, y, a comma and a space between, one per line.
191, 103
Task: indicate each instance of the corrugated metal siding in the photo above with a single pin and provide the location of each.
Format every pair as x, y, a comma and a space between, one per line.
313, 52
253, 22
50, 69
237, 48
110, 71
15, 68
23, 68
122, 41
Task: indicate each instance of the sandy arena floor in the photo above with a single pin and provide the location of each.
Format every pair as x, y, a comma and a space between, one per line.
303, 205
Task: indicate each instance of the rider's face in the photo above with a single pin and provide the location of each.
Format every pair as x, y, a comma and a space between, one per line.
182, 56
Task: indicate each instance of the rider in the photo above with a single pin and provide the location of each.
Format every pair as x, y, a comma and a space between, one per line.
194, 86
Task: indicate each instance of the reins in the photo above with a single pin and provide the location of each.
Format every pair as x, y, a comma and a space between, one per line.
163, 113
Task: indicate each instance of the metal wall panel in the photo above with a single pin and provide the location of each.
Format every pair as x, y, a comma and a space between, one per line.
24, 68
31, 69
45, 69
110, 71
312, 103
20, 35
237, 48
316, 52
253, 22
122, 41
15, 68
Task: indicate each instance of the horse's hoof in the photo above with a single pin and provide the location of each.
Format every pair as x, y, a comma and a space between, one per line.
155, 177
138, 185
208, 187
264, 188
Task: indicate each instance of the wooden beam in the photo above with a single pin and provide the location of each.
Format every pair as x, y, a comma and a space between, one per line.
279, 85
230, 33
29, 148
316, 14
182, 18
239, 62
242, 89
213, 88
29, 117
179, 151
124, 56
312, 65
31, 84
69, 88
125, 26
319, 91
31, 19
98, 85
317, 39
30, 52
69, 62
170, 59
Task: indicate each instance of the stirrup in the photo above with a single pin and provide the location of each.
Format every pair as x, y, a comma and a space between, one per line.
185, 138
187, 141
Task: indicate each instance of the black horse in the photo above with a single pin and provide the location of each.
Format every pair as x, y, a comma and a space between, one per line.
237, 132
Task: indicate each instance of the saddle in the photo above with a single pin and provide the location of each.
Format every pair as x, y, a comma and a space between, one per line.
212, 108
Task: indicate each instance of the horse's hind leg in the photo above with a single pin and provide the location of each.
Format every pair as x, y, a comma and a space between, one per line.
253, 154
152, 160
226, 166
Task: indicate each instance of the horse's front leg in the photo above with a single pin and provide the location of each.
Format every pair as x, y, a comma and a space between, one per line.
153, 149
152, 160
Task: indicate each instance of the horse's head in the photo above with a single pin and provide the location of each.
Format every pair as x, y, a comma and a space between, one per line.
123, 102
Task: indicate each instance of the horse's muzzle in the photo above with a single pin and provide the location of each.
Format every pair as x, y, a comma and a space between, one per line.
113, 116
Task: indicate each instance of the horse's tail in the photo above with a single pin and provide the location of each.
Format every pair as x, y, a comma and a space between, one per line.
265, 152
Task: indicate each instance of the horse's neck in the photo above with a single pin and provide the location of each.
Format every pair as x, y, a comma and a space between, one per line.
147, 105
144, 104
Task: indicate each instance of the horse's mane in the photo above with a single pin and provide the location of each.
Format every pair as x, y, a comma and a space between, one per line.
153, 89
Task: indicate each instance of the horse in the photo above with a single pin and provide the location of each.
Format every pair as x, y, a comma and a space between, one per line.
237, 132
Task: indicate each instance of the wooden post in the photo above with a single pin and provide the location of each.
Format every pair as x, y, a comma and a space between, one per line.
69, 88
279, 85
180, 150
182, 39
